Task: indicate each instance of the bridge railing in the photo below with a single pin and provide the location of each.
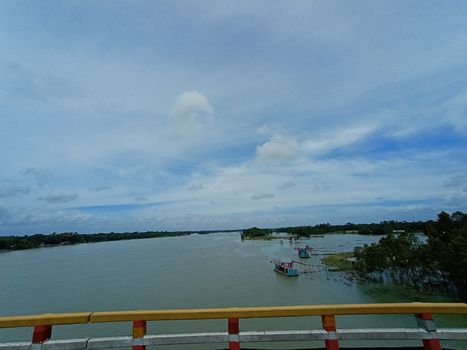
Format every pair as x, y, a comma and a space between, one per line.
425, 331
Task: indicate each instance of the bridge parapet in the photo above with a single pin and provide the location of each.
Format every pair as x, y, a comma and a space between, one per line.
330, 334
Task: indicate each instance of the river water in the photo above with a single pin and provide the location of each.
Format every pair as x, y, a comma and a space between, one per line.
197, 271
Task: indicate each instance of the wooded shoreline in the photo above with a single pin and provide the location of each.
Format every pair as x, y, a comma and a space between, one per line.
10, 243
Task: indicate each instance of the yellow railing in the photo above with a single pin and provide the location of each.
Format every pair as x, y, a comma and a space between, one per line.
327, 312
232, 312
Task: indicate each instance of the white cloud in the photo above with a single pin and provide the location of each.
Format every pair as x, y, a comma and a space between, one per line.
279, 147
283, 147
35, 220
191, 114
336, 138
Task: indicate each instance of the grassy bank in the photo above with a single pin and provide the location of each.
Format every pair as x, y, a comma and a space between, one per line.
339, 261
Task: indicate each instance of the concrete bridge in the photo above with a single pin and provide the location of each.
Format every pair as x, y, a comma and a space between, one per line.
424, 331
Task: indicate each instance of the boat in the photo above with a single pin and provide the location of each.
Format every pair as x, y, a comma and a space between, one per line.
303, 252
285, 268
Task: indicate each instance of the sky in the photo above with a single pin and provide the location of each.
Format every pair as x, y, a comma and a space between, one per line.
191, 115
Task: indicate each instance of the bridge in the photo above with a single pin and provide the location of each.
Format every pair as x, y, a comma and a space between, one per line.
424, 329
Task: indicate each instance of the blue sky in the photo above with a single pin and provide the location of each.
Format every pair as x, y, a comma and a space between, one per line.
189, 115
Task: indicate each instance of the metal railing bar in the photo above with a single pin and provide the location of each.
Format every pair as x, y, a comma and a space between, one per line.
279, 311
296, 335
249, 336
452, 333
65, 344
16, 346
188, 338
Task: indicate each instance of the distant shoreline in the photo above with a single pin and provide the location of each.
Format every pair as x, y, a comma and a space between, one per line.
12, 243
382, 228
15, 243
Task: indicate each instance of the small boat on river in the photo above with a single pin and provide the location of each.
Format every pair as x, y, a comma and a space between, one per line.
285, 268
303, 252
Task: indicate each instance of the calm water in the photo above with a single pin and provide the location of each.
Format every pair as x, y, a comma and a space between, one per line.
198, 271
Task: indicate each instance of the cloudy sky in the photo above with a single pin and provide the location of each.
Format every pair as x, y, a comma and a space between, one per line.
166, 115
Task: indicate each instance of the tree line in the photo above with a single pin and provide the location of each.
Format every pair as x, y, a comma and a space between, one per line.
253, 232
65, 238
382, 228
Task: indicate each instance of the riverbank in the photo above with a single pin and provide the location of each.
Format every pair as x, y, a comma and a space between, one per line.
12, 243
341, 262
381, 228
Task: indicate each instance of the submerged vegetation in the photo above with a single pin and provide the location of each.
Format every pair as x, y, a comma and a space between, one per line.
402, 258
339, 261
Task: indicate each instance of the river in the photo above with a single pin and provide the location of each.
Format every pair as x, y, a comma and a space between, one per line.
196, 271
